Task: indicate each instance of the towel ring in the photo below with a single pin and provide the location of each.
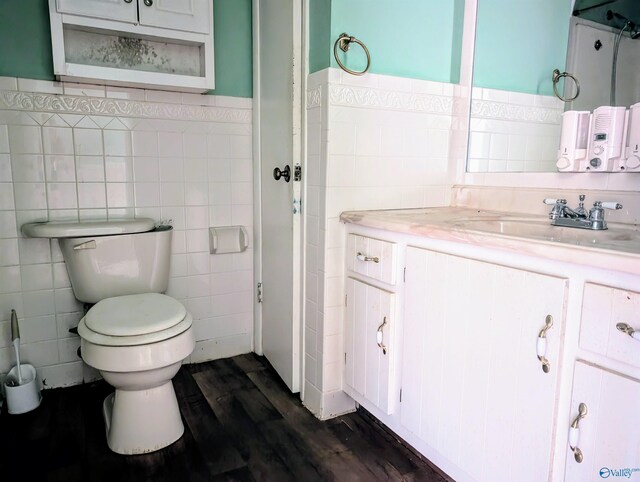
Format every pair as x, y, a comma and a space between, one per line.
557, 75
344, 41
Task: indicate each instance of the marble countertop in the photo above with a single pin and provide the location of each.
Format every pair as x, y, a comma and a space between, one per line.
617, 248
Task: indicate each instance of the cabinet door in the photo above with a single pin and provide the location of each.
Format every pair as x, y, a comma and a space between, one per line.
108, 9
370, 326
472, 385
186, 15
609, 434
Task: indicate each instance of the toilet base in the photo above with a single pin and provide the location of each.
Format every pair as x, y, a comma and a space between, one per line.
142, 421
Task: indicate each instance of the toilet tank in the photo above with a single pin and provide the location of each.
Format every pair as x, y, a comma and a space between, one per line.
100, 267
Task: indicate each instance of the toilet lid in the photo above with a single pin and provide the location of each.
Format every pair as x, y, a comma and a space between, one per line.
132, 315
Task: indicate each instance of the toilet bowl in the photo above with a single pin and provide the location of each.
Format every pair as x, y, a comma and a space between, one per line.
138, 343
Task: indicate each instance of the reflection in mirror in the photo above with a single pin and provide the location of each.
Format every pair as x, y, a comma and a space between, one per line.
605, 51
515, 116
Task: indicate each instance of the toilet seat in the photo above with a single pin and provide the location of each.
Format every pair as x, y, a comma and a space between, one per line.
134, 320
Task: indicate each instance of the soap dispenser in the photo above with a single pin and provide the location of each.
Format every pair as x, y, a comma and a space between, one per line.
574, 140
606, 139
630, 160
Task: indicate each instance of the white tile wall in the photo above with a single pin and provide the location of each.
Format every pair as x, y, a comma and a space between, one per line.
373, 142
513, 132
169, 165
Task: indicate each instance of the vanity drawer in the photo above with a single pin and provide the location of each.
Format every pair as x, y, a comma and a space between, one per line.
603, 307
371, 257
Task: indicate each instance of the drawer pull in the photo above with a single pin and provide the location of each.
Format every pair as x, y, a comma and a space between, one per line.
574, 433
541, 344
625, 328
380, 336
364, 257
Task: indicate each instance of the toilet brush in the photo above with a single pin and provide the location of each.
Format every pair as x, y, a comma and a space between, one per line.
15, 337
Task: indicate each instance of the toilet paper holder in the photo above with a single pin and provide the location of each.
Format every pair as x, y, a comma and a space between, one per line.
228, 239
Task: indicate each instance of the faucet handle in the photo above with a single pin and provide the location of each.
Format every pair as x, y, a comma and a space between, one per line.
609, 205
552, 201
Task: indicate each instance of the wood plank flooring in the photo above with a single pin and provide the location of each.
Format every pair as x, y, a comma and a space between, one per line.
241, 424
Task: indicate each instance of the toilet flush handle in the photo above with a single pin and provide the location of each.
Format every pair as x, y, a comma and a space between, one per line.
86, 245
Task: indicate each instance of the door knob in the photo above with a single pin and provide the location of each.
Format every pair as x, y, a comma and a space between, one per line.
284, 173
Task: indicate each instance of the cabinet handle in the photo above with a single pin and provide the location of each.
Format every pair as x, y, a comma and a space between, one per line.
380, 335
148, 3
626, 328
541, 344
364, 257
574, 433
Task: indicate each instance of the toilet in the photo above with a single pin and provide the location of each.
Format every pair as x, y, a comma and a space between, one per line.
133, 334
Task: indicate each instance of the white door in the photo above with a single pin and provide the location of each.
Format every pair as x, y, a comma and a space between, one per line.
609, 434
278, 103
109, 9
187, 15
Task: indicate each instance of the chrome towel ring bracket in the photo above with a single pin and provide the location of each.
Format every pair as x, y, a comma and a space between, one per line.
344, 42
557, 75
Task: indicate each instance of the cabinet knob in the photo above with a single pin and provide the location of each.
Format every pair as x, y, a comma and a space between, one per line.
541, 344
148, 3
574, 433
128, 1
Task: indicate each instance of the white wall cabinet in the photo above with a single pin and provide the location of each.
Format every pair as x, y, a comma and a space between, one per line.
609, 434
369, 344
163, 44
472, 384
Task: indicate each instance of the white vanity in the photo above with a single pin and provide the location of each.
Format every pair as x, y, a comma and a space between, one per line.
477, 335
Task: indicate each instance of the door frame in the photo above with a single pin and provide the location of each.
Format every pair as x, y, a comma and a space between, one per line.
300, 72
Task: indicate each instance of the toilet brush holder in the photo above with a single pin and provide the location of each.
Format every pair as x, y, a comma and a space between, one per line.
24, 397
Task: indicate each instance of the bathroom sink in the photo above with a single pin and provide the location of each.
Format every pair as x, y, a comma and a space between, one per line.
621, 237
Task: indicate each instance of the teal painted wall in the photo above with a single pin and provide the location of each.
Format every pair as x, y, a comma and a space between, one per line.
406, 38
25, 43
319, 34
519, 43
233, 50
25, 39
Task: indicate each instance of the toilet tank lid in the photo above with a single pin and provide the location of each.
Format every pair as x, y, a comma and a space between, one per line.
132, 315
64, 229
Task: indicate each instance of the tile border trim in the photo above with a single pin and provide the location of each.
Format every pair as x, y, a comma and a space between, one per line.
67, 104
364, 97
485, 109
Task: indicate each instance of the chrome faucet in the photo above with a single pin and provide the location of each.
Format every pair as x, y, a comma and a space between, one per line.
563, 215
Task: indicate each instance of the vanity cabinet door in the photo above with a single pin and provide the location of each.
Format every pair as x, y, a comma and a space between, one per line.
472, 385
609, 434
369, 344
108, 9
186, 15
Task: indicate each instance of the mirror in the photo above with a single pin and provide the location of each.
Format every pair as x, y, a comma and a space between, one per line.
515, 116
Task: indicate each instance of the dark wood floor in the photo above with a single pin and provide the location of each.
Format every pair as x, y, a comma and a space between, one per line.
241, 423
